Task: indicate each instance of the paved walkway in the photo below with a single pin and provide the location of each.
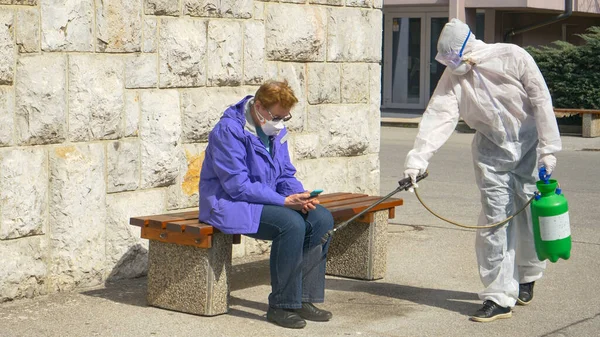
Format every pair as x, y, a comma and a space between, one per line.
429, 290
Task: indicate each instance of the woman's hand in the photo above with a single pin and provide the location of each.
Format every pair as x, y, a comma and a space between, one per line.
301, 202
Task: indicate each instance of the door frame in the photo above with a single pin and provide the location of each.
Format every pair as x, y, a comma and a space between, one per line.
425, 14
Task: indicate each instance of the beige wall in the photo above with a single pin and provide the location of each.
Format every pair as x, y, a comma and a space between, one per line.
584, 6
544, 35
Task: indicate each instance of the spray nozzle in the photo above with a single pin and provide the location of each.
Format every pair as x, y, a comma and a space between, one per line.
544, 176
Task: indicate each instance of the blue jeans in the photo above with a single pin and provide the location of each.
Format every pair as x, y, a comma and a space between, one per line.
295, 252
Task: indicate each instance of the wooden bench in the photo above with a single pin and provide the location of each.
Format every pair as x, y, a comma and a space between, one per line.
590, 124
189, 262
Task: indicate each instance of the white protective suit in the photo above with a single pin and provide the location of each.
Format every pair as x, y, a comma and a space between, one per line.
502, 95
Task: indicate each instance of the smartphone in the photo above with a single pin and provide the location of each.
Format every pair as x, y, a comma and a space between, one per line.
314, 193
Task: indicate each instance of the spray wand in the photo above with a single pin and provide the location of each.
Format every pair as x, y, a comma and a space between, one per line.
404, 185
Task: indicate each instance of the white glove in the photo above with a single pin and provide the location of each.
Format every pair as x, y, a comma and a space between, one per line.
548, 161
412, 173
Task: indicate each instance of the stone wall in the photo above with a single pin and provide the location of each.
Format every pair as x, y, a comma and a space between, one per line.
106, 106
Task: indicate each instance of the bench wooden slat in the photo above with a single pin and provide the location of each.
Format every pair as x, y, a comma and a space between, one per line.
184, 227
145, 220
576, 111
333, 197
203, 241
347, 211
350, 202
190, 226
160, 221
326, 198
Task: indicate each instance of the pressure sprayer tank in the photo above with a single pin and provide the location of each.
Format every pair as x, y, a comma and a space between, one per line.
551, 228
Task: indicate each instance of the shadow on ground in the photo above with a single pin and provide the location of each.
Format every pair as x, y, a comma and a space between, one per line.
133, 291
457, 301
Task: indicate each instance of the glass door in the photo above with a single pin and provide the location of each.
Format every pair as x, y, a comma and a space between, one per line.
410, 70
435, 69
403, 70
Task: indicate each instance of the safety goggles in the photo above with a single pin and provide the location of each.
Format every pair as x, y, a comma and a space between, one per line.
277, 119
452, 58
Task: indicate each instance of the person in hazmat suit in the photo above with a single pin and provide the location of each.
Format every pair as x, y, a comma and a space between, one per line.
498, 90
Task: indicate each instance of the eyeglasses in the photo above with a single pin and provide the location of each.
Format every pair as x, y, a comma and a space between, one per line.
277, 119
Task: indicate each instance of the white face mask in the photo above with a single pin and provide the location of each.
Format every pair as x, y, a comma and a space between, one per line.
270, 128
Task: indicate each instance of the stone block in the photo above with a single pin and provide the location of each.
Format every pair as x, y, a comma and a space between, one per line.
132, 114
375, 85
328, 2
239, 250
359, 250
346, 134
374, 124
150, 35
67, 25
118, 26
7, 47
28, 30
7, 115
259, 11
239, 9
96, 97
190, 279
184, 192
301, 39
333, 174
161, 7
140, 71
354, 35
160, 136
77, 216
224, 60
254, 52
41, 100
324, 83
359, 3
295, 74
306, 146
363, 174
182, 48
23, 192
122, 165
355, 83
203, 107
590, 125
24, 269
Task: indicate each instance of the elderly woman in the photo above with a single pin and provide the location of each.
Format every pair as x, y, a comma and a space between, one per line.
247, 186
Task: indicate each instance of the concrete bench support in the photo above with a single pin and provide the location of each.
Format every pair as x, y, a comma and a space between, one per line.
359, 250
190, 279
590, 125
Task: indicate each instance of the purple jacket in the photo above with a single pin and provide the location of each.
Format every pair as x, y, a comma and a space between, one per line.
239, 176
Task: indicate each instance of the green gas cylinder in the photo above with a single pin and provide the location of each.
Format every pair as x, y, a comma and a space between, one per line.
551, 228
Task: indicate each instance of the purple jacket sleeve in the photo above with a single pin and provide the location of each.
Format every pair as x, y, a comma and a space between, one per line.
287, 184
229, 155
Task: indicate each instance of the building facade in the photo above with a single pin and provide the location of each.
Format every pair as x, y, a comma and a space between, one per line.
411, 29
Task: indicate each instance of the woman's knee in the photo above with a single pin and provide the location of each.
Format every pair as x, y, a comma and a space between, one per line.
323, 218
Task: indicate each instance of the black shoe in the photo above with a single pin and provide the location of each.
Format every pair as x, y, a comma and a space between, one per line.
312, 313
286, 318
490, 312
525, 293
